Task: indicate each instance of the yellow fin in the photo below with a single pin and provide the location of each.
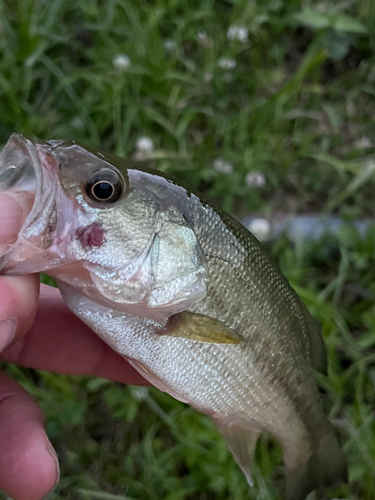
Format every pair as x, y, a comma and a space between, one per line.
199, 328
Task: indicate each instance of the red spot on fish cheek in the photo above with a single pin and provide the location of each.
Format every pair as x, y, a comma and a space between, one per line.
91, 236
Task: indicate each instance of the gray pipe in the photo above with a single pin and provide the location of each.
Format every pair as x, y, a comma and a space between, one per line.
296, 227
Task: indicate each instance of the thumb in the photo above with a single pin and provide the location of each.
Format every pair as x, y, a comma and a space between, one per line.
19, 294
12, 215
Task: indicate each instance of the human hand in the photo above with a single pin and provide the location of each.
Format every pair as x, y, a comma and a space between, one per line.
43, 334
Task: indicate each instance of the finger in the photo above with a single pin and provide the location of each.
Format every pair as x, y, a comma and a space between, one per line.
28, 464
18, 305
59, 342
12, 217
18, 294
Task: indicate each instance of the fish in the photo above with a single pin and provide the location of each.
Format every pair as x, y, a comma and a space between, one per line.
181, 290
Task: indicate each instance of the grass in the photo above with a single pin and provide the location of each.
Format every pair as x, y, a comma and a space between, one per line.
298, 107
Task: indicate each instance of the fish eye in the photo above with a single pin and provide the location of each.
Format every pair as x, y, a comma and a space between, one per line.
105, 187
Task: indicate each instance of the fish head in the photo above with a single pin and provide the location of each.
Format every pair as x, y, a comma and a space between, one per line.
115, 232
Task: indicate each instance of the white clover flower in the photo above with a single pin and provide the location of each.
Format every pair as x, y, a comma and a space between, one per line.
255, 179
169, 45
140, 393
238, 33
227, 63
77, 123
260, 228
121, 62
144, 144
208, 77
204, 40
364, 143
222, 166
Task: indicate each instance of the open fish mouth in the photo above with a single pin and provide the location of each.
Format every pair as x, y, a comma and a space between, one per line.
24, 176
20, 167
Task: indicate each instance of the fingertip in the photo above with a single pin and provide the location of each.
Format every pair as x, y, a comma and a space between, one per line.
31, 477
28, 464
12, 217
32, 473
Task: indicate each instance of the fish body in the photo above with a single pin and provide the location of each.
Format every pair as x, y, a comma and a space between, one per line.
184, 292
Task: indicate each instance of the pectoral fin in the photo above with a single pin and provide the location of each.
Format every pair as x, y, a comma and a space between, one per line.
199, 328
242, 444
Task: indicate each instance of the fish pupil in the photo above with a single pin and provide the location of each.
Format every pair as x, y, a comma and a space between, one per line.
103, 190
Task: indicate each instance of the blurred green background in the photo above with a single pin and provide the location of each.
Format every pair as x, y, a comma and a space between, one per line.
266, 106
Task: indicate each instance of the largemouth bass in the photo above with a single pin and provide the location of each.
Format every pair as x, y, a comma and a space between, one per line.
183, 291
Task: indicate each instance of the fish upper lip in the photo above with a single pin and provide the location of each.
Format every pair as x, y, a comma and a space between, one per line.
38, 230
43, 216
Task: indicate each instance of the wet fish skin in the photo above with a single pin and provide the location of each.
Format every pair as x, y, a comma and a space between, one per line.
263, 379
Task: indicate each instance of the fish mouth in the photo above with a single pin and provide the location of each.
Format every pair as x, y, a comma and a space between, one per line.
29, 176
